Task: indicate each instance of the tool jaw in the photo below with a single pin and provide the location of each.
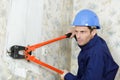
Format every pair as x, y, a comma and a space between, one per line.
15, 52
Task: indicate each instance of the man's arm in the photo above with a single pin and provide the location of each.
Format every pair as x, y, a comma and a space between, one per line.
94, 69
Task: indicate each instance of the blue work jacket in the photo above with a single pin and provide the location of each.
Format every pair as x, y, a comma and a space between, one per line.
94, 62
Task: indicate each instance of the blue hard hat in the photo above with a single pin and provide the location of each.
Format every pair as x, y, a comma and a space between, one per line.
86, 18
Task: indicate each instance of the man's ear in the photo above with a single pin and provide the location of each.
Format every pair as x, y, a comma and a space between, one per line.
94, 32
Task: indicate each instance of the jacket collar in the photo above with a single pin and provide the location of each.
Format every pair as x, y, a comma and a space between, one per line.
90, 44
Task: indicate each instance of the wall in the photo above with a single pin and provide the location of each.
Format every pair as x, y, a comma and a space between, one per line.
26, 22
3, 22
108, 12
29, 22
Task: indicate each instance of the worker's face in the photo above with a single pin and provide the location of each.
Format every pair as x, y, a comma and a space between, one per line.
84, 34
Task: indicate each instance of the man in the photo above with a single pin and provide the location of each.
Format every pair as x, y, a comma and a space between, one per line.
94, 61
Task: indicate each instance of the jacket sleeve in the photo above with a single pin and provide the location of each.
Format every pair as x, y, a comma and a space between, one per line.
94, 70
70, 76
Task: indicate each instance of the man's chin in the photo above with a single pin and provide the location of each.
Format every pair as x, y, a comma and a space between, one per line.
80, 44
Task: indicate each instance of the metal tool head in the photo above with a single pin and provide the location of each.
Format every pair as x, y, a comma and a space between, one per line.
15, 52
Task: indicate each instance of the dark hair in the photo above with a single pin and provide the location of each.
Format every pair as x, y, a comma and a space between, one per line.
91, 28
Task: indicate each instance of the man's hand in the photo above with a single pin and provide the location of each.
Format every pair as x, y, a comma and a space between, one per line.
63, 75
72, 30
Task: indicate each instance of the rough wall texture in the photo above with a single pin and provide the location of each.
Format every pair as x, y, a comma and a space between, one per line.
3, 67
30, 22
26, 22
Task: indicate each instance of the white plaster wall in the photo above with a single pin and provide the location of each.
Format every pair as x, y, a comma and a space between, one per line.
23, 28
33, 21
3, 67
24, 22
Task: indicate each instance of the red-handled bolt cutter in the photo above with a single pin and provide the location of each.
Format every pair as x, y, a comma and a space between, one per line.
28, 51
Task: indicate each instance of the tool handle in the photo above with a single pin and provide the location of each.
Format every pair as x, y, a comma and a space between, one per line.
33, 59
33, 47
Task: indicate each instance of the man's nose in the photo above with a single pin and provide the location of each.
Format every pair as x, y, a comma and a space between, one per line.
78, 35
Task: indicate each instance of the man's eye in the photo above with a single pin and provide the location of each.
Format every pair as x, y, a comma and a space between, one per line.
76, 31
82, 31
